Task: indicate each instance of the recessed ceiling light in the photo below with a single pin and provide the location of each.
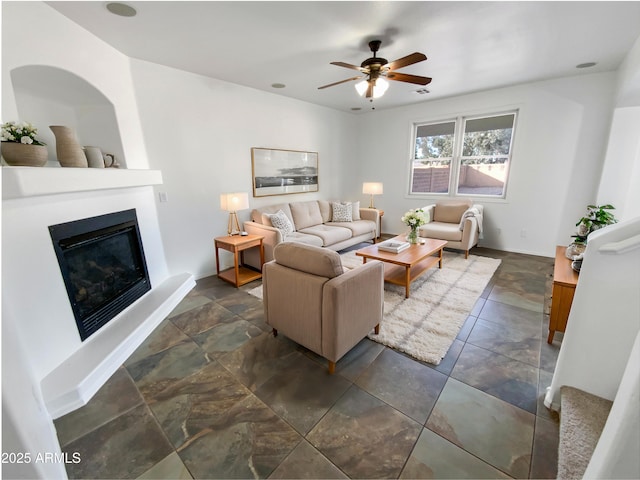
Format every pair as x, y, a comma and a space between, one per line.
278, 85
121, 9
586, 65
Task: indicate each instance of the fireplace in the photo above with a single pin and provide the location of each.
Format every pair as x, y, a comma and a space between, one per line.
103, 266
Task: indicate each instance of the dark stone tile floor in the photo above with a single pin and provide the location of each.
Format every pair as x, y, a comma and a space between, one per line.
211, 394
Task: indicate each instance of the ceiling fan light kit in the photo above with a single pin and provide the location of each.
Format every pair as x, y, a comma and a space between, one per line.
379, 87
375, 68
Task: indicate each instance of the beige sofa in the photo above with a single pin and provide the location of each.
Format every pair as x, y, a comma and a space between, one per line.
459, 222
308, 297
313, 224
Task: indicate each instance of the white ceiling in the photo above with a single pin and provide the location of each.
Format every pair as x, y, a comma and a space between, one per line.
470, 46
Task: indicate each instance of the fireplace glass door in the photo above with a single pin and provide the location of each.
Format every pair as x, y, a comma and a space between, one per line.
103, 266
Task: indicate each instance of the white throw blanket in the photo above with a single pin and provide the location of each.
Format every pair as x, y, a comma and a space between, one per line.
472, 212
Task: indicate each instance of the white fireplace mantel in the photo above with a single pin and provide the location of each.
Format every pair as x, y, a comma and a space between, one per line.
23, 182
72, 384
71, 373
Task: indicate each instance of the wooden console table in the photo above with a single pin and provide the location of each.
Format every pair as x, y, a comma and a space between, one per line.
565, 280
239, 274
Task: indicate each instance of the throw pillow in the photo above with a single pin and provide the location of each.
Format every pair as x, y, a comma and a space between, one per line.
282, 223
356, 211
342, 212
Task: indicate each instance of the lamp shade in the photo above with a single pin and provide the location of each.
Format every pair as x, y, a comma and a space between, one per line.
232, 202
361, 87
372, 188
380, 86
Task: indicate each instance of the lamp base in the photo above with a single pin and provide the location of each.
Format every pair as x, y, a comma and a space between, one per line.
371, 202
233, 227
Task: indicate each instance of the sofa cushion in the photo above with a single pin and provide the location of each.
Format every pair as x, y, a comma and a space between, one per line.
355, 214
329, 234
357, 227
442, 231
257, 215
305, 214
325, 210
307, 258
341, 212
305, 238
450, 212
280, 221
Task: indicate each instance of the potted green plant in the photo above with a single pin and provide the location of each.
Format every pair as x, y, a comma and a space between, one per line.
598, 216
20, 147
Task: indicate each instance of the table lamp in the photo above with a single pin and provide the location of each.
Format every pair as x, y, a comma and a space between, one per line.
232, 202
372, 188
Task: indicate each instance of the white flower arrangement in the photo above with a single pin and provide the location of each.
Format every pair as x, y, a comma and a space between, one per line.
24, 133
414, 218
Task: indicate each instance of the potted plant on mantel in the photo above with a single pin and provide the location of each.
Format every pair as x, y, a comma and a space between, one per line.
598, 216
20, 147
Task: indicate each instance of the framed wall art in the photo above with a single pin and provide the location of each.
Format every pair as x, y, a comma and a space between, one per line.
280, 172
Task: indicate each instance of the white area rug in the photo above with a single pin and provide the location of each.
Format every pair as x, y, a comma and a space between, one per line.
425, 325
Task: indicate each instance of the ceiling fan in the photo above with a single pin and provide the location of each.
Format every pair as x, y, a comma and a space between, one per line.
376, 68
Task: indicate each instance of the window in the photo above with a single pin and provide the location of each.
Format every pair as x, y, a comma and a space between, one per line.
467, 156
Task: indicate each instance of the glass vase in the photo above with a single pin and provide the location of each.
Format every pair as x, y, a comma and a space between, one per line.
412, 236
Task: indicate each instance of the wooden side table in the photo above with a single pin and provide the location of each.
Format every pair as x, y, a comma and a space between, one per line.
565, 280
239, 274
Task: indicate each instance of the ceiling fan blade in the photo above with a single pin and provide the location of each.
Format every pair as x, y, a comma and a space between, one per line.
405, 77
406, 61
348, 65
338, 83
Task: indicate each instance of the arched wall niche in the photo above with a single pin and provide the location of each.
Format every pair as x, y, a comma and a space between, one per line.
47, 95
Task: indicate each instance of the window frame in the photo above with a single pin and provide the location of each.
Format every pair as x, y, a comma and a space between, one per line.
460, 122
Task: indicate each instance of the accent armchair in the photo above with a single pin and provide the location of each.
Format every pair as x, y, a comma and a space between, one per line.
309, 298
459, 222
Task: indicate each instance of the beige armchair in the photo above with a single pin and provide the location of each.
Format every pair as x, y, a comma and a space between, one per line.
459, 222
309, 298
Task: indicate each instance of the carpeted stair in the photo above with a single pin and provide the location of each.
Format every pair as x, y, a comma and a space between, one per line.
582, 418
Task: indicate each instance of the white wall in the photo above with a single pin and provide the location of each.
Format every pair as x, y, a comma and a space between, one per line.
199, 132
558, 149
629, 78
620, 181
38, 327
26, 425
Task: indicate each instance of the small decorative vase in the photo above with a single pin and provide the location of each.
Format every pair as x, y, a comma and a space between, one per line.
68, 149
24, 155
412, 236
575, 250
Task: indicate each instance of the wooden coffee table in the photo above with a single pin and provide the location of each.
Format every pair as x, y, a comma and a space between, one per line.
404, 267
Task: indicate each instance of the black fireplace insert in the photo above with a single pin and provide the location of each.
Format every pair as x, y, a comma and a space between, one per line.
103, 266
